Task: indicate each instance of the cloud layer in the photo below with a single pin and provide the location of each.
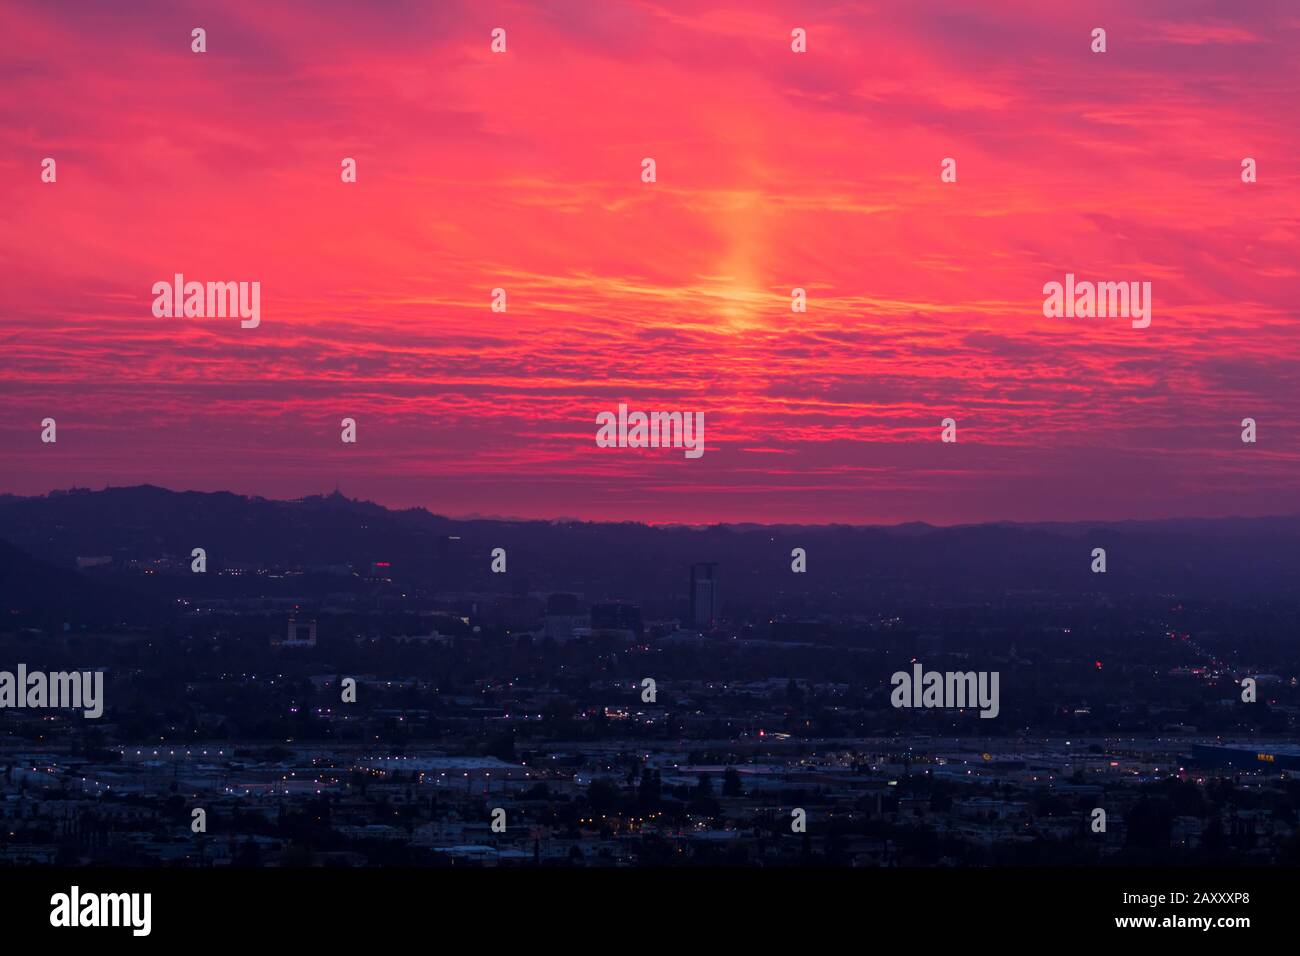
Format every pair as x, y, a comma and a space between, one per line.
775, 171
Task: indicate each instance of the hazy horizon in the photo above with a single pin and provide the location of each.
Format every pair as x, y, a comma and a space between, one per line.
555, 519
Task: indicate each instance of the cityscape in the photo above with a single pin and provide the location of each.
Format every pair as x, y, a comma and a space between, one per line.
387, 698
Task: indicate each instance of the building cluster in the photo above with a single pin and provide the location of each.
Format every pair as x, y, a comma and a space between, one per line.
394, 724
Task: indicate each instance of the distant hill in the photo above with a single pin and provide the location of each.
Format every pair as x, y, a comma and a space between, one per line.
848, 567
34, 593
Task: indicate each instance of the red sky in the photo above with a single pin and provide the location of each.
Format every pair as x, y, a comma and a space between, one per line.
775, 170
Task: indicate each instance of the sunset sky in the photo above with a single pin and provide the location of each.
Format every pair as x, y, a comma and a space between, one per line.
775, 170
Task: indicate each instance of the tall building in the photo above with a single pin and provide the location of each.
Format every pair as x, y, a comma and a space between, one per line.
706, 603
298, 635
617, 617
564, 616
